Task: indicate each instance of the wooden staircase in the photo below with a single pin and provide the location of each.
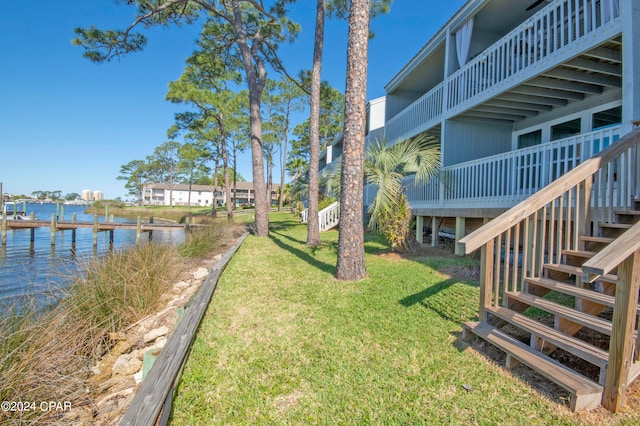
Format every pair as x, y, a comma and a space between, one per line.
560, 275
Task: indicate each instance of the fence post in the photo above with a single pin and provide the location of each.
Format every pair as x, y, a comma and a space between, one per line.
622, 338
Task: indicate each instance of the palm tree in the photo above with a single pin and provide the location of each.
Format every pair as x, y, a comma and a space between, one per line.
386, 166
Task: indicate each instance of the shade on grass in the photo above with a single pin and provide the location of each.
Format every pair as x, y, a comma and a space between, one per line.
284, 342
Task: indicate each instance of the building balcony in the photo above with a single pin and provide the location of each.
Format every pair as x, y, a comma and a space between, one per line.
566, 52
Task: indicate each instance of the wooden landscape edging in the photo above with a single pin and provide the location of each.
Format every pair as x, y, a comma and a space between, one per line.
156, 389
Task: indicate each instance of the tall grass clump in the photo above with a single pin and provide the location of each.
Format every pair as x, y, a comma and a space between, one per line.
47, 356
204, 239
125, 286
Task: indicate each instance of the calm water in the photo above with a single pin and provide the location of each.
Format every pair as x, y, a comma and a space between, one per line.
40, 269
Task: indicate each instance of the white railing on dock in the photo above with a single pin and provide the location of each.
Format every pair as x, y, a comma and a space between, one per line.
561, 26
304, 216
503, 180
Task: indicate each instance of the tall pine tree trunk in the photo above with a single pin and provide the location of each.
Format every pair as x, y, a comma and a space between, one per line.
313, 225
225, 167
350, 265
259, 186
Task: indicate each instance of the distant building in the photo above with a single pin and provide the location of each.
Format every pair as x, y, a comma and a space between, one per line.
159, 194
87, 195
98, 195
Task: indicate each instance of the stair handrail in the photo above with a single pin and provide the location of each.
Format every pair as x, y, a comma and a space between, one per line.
613, 254
529, 206
329, 207
329, 216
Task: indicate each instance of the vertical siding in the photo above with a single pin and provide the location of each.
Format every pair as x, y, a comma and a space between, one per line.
468, 141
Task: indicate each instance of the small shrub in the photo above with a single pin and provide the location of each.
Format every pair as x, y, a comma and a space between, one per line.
325, 202
396, 226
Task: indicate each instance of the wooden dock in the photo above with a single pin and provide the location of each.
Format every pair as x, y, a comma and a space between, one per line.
110, 227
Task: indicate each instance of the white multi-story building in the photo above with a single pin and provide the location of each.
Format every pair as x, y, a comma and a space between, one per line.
160, 194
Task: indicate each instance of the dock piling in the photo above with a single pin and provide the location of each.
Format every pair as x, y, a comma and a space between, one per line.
53, 229
95, 230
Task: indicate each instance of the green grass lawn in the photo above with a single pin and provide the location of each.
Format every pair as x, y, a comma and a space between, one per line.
284, 342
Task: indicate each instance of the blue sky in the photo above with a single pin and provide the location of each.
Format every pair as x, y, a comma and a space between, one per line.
68, 124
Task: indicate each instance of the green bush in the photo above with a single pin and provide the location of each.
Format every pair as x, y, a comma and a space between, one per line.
326, 202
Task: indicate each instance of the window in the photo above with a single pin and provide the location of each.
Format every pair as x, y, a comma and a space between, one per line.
565, 130
530, 139
607, 118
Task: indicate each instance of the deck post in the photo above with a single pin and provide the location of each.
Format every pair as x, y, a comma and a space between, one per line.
61, 212
419, 228
53, 229
621, 345
486, 279
106, 213
460, 227
150, 231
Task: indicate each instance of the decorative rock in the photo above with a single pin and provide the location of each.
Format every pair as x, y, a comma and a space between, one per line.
117, 335
200, 273
121, 347
126, 365
181, 285
155, 333
138, 378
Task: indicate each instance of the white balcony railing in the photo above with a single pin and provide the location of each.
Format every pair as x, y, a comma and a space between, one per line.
503, 180
558, 27
418, 114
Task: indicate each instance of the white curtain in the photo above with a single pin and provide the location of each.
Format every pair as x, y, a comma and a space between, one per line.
610, 9
463, 41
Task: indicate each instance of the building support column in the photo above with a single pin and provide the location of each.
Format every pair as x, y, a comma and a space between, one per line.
630, 14
435, 230
419, 228
460, 227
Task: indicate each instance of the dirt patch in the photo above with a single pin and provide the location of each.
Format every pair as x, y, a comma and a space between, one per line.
465, 268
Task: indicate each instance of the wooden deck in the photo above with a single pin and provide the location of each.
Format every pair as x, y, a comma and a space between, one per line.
110, 227
100, 226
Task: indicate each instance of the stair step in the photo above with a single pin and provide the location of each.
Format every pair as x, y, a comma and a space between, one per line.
603, 240
627, 216
587, 393
577, 271
587, 254
614, 225
582, 293
571, 344
595, 323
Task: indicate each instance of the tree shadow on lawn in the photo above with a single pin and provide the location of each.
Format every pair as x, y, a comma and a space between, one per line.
440, 298
373, 244
311, 260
